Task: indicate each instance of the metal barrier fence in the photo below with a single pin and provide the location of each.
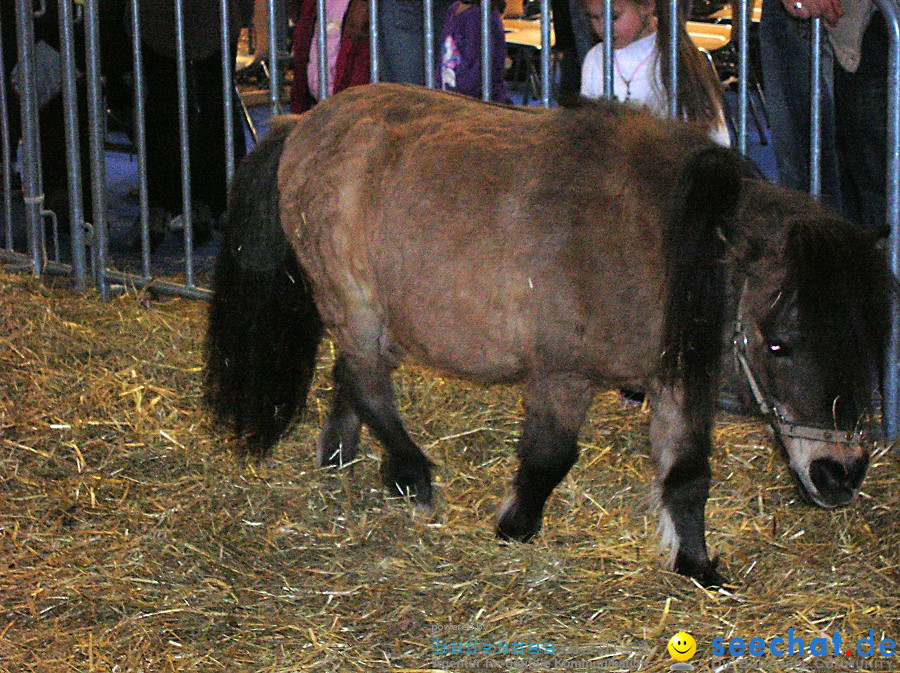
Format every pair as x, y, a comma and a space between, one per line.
89, 260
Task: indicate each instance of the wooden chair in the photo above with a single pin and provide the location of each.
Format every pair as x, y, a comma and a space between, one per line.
523, 44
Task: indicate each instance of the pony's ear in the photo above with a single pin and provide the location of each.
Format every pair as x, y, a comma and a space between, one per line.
712, 180
709, 191
881, 238
751, 228
881, 233
743, 244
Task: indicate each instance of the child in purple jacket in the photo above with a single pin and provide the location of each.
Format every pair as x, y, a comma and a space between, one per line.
461, 50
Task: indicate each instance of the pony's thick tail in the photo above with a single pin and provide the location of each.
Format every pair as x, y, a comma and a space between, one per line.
264, 328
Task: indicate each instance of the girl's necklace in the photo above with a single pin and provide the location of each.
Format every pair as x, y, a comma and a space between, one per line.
634, 72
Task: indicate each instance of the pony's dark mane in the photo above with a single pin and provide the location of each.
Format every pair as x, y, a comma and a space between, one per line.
843, 290
703, 205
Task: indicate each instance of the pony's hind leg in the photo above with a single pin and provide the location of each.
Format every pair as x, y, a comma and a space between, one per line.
554, 410
340, 434
681, 444
405, 470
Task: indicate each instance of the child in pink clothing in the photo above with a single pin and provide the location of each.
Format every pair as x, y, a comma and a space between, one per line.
347, 49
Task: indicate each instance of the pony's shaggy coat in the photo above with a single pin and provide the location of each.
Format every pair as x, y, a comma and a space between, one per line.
567, 250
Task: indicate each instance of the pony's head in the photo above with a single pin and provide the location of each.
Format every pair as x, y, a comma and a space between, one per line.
813, 320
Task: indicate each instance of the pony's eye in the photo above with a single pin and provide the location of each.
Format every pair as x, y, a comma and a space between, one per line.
779, 349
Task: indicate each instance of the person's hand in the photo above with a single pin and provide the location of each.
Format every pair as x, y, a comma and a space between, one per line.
356, 21
830, 10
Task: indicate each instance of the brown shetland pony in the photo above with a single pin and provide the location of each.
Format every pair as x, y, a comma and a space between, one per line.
566, 250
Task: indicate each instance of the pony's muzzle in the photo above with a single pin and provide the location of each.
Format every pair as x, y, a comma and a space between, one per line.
836, 483
828, 474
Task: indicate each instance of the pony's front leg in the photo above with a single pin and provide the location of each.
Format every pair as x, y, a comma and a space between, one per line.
681, 445
554, 410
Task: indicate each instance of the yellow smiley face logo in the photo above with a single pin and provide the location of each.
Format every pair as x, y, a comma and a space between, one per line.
682, 646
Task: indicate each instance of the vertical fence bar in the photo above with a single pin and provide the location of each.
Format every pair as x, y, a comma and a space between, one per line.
140, 140
546, 50
227, 90
674, 22
274, 70
815, 110
429, 43
743, 74
322, 46
5, 160
184, 140
31, 155
891, 406
96, 126
374, 39
485, 50
73, 145
608, 63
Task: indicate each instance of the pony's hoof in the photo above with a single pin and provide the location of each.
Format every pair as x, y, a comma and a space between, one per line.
515, 524
330, 455
337, 443
705, 573
409, 483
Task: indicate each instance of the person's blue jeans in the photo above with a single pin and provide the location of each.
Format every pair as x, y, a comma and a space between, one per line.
572, 43
401, 47
785, 55
861, 107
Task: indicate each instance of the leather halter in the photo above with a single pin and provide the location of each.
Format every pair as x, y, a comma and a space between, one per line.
769, 409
